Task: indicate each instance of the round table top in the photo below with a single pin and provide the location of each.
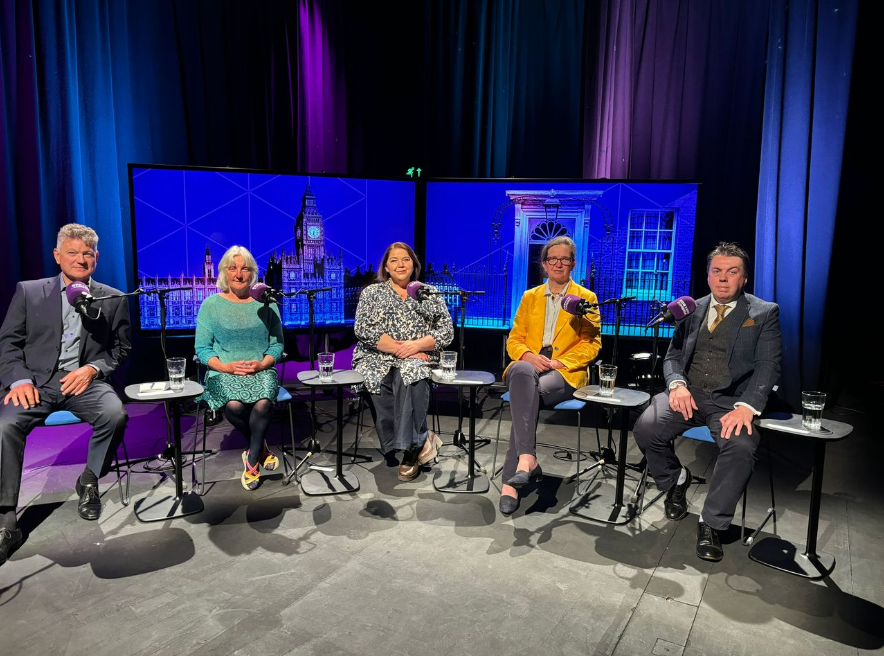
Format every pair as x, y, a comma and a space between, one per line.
622, 397
786, 422
340, 378
191, 389
464, 378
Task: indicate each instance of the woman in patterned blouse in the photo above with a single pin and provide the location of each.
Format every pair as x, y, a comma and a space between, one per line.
399, 339
239, 340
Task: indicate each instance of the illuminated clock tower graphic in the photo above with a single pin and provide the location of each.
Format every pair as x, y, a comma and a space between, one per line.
311, 267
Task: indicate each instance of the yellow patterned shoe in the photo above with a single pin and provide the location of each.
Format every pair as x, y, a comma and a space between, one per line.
250, 478
268, 461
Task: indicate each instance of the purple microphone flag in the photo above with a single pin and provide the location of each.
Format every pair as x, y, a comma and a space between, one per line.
257, 290
570, 303
75, 290
682, 307
412, 288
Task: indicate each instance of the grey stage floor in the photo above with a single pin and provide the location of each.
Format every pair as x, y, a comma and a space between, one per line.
402, 569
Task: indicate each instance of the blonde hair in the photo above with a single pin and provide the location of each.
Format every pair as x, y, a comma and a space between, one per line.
77, 231
227, 260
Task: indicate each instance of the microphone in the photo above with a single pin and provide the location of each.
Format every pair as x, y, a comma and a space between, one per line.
675, 311
79, 296
573, 304
419, 291
261, 292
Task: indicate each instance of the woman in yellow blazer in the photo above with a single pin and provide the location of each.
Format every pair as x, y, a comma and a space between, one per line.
551, 351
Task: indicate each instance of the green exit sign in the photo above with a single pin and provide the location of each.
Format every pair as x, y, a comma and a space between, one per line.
411, 171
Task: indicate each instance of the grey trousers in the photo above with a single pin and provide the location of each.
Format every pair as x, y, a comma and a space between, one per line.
658, 426
530, 391
401, 412
98, 405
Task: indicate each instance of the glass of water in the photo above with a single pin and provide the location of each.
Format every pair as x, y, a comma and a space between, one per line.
326, 366
449, 362
812, 404
176, 373
607, 376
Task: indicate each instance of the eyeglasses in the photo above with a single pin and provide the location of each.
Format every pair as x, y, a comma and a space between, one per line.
567, 261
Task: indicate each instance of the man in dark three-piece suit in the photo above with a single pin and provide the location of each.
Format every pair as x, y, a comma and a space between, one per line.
722, 365
56, 357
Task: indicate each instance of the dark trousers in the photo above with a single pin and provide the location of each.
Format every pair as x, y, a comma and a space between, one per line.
98, 405
401, 412
530, 391
658, 426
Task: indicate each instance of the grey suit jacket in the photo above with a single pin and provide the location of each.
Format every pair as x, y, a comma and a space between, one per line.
30, 338
754, 351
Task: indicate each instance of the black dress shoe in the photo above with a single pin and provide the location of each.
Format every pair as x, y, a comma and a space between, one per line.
522, 478
676, 503
89, 505
508, 504
708, 543
10, 538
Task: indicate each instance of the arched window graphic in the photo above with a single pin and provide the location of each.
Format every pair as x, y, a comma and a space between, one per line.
546, 230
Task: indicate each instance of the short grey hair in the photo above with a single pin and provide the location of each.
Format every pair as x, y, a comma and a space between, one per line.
560, 241
227, 260
77, 231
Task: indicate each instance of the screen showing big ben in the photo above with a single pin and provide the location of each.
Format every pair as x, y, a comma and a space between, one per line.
305, 232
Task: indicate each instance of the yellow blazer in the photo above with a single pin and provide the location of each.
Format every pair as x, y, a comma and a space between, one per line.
576, 341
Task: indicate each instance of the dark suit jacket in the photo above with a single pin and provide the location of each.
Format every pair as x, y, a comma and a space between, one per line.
30, 338
753, 351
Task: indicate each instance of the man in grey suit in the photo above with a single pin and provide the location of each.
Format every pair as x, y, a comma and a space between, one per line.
56, 357
722, 365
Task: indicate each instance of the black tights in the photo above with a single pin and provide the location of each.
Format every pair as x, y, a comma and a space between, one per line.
252, 420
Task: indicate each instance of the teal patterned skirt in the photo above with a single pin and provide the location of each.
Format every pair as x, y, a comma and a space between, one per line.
222, 388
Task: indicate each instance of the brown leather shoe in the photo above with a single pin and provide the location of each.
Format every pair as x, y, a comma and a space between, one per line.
431, 448
410, 467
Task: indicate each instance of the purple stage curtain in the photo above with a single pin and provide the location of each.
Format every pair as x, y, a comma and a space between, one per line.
674, 91
806, 99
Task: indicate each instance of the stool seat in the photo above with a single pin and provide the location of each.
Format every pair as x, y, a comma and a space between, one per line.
283, 395
699, 433
61, 418
570, 404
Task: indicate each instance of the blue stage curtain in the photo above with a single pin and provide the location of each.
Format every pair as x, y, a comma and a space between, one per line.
91, 85
805, 114
504, 86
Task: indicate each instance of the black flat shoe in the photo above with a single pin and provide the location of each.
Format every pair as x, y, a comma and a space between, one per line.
10, 539
89, 505
676, 503
708, 543
522, 478
508, 504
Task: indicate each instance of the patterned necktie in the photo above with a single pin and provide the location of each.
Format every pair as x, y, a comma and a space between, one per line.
721, 309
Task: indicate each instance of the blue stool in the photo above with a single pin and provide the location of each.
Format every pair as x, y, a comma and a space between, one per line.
570, 405
67, 418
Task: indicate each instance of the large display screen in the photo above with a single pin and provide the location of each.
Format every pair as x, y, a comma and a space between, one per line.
306, 232
633, 239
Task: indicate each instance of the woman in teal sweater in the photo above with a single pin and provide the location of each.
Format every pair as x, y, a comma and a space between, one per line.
239, 340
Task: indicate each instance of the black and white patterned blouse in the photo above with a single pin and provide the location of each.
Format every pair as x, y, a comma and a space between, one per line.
382, 311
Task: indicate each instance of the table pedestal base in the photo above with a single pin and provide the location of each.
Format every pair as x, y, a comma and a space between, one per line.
787, 557
455, 482
605, 507
159, 509
319, 483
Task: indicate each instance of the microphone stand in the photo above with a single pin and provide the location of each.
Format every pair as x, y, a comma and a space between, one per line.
607, 456
459, 439
168, 452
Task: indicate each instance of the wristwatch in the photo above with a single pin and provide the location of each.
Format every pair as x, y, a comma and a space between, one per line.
676, 383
